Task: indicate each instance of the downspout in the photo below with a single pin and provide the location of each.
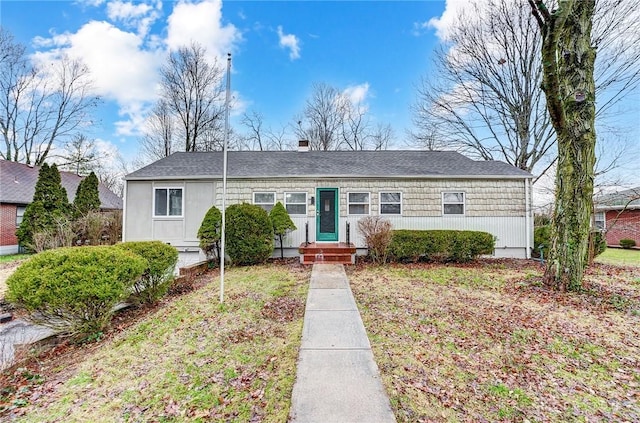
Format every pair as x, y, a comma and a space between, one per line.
527, 218
124, 211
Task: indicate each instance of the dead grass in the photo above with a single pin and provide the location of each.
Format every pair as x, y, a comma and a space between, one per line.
486, 342
192, 359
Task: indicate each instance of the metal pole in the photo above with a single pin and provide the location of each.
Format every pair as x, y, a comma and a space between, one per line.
224, 176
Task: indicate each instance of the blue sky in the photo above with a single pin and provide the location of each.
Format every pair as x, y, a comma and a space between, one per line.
376, 50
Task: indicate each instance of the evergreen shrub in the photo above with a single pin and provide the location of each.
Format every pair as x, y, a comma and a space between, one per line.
74, 290
158, 275
439, 245
249, 234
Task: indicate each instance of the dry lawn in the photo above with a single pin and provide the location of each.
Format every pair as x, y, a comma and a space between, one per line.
191, 359
486, 342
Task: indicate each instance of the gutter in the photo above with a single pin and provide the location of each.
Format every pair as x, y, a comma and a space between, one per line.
320, 176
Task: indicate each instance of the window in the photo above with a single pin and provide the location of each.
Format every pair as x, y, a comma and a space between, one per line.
266, 200
600, 221
295, 202
453, 202
20, 214
390, 203
358, 202
168, 202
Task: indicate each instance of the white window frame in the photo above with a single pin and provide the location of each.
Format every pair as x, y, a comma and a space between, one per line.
464, 203
19, 215
399, 202
286, 203
265, 206
168, 189
603, 220
368, 203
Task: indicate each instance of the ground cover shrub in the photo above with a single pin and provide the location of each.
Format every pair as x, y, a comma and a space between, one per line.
210, 232
249, 234
377, 235
74, 290
627, 243
157, 277
439, 245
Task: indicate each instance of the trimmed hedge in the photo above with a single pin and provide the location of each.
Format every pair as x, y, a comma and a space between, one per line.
439, 245
74, 290
210, 232
249, 234
154, 282
627, 243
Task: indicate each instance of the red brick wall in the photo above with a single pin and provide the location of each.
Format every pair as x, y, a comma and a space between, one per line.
627, 226
8, 224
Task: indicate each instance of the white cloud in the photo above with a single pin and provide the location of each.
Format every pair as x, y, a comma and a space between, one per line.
201, 23
357, 94
139, 15
291, 42
452, 11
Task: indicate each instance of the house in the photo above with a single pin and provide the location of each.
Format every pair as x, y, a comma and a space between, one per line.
324, 191
618, 215
17, 186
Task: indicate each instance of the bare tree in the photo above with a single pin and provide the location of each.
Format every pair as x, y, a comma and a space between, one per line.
159, 133
79, 155
355, 124
193, 91
40, 105
261, 138
485, 98
568, 60
382, 137
321, 121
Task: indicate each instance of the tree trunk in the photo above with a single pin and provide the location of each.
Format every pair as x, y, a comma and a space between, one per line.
568, 63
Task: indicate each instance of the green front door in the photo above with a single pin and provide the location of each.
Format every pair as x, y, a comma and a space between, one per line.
327, 214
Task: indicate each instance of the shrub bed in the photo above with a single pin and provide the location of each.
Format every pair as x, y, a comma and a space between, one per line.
74, 290
439, 245
154, 282
627, 243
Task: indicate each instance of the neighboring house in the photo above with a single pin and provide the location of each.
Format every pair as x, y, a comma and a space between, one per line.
17, 186
323, 190
618, 214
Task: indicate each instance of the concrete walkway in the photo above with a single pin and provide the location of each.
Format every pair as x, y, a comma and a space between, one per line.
337, 379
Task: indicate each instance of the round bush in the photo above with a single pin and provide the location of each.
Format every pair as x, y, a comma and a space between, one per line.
74, 290
249, 234
157, 277
627, 243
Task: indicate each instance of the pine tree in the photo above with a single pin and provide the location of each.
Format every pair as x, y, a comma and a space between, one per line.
87, 196
49, 205
282, 223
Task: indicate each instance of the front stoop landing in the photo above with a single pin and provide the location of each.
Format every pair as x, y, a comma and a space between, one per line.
327, 252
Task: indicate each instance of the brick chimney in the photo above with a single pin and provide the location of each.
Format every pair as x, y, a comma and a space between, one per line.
303, 145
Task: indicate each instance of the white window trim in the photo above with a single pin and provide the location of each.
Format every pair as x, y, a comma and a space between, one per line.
604, 220
380, 202
349, 203
24, 208
306, 198
464, 203
168, 216
264, 192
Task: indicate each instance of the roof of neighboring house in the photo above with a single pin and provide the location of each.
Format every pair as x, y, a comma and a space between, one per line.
325, 164
629, 199
18, 184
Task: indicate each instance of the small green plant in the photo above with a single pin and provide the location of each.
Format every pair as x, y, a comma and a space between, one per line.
282, 224
209, 233
157, 277
627, 243
541, 241
74, 290
249, 234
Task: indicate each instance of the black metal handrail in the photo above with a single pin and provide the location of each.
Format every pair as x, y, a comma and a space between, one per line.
306, 234
348, 233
